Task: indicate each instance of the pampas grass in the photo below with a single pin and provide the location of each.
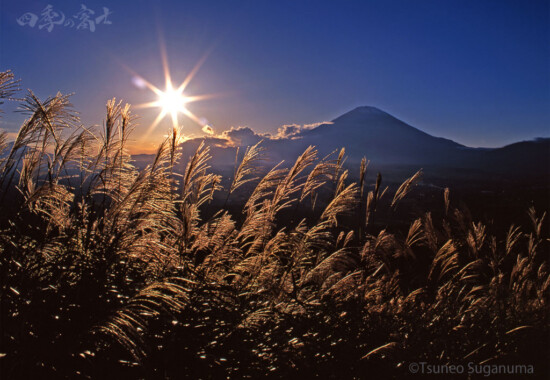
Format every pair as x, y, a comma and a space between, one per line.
107, 270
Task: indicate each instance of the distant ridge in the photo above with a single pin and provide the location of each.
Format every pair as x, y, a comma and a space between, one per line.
385, 140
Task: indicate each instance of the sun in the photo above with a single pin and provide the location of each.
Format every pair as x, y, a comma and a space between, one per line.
172, 102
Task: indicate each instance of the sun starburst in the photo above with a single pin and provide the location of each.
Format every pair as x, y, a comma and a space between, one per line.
172, 101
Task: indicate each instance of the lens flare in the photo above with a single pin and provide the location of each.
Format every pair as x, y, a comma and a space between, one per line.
172, 101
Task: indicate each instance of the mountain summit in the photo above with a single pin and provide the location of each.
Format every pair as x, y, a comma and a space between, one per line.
361, 113
369, 131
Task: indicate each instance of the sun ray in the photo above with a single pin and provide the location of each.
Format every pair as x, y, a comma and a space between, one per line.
164, 58
192, 116
172, 100
148, 84
193, 72
174, 119
153, 125
147, 105
196, 98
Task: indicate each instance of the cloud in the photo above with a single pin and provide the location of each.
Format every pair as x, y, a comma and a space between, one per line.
288, 130
241, 136
292, 130
246, 136
208, 129
315, 125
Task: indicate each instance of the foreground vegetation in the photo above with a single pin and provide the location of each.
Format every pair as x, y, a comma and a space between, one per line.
110, 272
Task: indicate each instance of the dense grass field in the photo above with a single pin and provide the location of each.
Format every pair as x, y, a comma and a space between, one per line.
111, 272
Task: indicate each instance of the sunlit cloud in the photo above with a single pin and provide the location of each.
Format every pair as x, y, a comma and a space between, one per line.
243, 136
315, 125
292, 130
289, 130
208, 129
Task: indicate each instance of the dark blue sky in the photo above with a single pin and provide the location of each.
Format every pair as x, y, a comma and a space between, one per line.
477, 72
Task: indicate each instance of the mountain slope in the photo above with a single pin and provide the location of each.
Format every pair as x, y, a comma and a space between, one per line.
368, 131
